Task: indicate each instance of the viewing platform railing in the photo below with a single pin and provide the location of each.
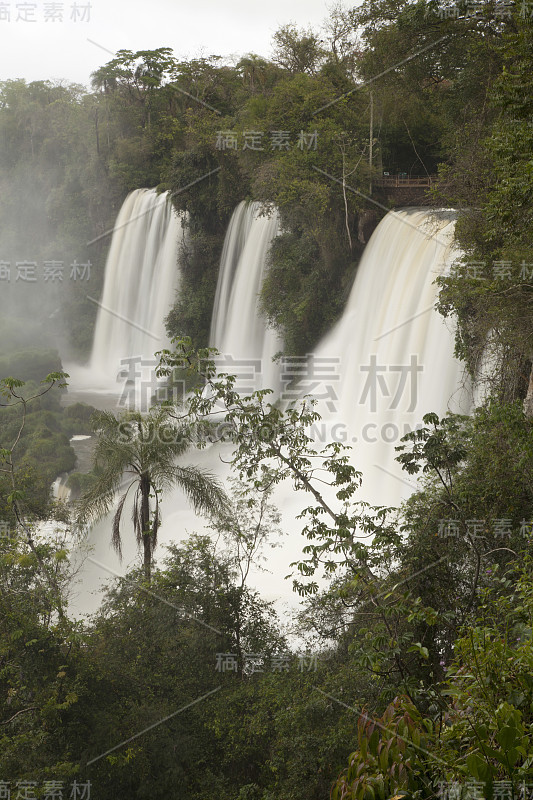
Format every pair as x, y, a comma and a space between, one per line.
405, 181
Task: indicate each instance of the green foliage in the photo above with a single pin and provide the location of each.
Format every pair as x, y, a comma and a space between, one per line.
77, 419
489, 683
494, 312
35, 443
429, 634
200, 259
392, 757
43, 673
311, 204
294, 288
30, 365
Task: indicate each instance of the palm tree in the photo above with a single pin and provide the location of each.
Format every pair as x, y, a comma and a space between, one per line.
140, 450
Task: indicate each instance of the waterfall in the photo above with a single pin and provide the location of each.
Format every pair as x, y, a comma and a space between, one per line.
238, 330
387, 362
60, 490
390, 358
140, 282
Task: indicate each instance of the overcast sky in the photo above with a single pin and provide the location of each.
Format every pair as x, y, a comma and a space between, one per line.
34, 47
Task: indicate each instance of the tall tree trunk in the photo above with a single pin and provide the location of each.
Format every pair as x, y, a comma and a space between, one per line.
347, 220
528, 402
238, 625
97, 133
145, 521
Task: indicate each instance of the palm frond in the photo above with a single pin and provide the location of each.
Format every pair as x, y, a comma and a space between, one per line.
97, 501
155, 526
116, 540
202, 488
136, 517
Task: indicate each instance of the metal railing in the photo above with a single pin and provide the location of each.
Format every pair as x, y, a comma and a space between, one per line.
405, 180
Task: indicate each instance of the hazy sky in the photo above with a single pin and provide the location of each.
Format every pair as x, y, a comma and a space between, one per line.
35, 46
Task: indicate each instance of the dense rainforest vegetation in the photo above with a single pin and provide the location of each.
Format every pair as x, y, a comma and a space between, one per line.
417, 675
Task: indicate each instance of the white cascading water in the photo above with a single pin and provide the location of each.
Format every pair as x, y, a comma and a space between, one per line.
391, 344
391, 352
238, 330
394, 353
141, 278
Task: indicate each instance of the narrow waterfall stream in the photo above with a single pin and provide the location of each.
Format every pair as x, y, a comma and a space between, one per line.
141, 279
238, 330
